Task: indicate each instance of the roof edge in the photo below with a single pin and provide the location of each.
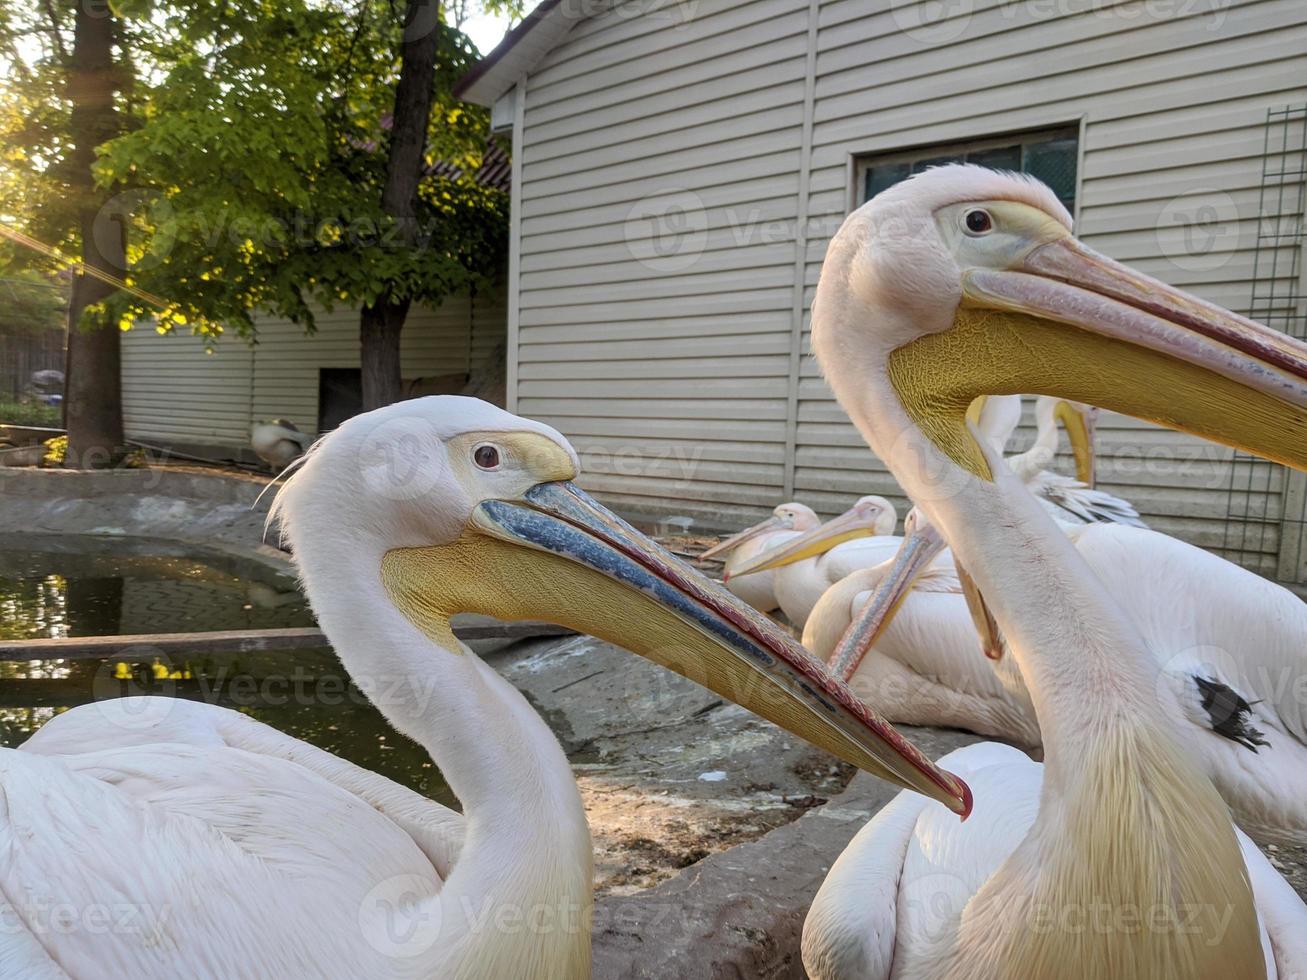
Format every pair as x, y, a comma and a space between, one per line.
486, 66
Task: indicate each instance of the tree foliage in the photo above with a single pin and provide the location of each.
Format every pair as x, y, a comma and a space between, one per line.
249, 176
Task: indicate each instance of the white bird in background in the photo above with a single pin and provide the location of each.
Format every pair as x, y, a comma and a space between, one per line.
913, 652
248, 853
915, 656
758, 590
278, 442
961, 282
806, 565
1070, 500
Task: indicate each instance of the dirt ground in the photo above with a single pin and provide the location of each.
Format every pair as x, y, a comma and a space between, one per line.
668, 771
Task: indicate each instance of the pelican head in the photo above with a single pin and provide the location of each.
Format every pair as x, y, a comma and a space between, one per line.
793, 516
962, 282
869, 516
459, 506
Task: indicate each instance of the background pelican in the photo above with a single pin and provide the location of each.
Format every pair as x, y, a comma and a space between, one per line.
278, 442
804, 566
915, 655
758, 590
272, 858
1071, 500
961, 282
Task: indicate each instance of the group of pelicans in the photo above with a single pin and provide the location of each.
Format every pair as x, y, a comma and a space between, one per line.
1160, 685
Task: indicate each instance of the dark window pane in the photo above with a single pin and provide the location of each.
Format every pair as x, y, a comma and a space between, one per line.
998, 158
920, 165
1054, 162
883, 176
1051, 160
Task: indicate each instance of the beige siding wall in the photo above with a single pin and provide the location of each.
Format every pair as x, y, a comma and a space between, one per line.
665, 348
176, 392
653, 330
1172, 100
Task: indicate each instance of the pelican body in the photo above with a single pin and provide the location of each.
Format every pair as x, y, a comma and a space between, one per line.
248, 853
278, 442
805, 565
962, 282
787, 521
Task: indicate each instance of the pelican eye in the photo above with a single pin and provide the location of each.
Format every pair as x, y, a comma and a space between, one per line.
978, 222
486, 456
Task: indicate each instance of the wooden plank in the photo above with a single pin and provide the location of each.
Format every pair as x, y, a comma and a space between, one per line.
234, 641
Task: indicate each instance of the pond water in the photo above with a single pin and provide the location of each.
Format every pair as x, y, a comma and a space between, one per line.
54, 586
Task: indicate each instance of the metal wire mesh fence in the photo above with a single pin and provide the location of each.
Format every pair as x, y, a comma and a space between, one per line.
1266, 509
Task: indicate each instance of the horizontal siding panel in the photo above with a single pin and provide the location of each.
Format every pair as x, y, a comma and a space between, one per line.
758, 343
174, 391
642, 261
728, 388
667, 367
724, 137
758, 154
625, 125
724, 410
661, 308
561, 79
727, 324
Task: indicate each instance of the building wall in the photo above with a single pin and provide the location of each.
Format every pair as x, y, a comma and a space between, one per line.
176, 393
681, 173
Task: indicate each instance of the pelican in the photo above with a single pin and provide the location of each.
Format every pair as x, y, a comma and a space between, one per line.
912, 609
1228, 642
1078, 500
242, 852
914, 655
758, 590
278, 442
1072, 501
1116, 858
807, 564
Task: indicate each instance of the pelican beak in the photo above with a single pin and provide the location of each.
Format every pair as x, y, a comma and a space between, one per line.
921, 545
1080, 422
853, 523
555, 553
723, 548
991, 639
1062, 320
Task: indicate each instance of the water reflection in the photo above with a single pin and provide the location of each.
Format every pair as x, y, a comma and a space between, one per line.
58, 587
55, 586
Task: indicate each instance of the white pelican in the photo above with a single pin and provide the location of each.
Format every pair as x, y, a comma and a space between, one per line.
1073, 501
1231, 644
805, 565
758, 590
1116, 858
216, 847
924, 669
804, 571
914, 656
278, 442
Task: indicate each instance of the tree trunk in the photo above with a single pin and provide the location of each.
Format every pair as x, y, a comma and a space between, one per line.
380, 323
379, 330
93, 408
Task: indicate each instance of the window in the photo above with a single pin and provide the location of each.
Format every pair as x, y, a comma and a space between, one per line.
1049, 155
